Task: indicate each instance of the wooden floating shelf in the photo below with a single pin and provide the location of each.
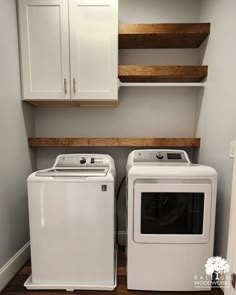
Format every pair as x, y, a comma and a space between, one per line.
163, 74
185, 35
115, 142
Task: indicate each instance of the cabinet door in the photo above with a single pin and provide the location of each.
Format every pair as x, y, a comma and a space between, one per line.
44, 39
94, 49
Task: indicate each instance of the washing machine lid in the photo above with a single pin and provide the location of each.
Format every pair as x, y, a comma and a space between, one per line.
78, 165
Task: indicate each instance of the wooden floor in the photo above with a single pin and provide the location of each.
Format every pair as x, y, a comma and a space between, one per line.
16, 286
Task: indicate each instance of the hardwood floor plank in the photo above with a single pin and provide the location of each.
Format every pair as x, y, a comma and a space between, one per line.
26, 270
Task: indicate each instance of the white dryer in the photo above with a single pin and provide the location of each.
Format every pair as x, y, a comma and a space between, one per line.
72, 224
171, 221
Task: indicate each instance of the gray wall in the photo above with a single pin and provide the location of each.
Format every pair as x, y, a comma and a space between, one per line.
142, 112
217, 106
15, 122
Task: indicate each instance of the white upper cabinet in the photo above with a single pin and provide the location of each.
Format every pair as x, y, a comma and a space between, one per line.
69, 49
44, 39
94, 49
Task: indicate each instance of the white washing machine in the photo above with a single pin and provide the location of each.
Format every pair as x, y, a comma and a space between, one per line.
72, 224
171, 221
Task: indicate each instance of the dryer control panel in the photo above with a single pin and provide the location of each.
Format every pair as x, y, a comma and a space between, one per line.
160, 156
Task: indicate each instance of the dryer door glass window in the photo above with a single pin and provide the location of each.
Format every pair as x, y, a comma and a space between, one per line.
173, 213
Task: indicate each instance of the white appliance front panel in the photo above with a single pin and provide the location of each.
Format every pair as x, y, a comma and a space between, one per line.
72, 233
140, 188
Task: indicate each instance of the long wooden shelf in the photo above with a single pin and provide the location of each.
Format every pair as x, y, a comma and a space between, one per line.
185, 35
164, 74
115, 142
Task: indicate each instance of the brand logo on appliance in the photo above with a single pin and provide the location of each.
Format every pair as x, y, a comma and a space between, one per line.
104, 187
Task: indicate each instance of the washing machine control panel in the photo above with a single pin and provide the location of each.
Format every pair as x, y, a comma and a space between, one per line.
73, 161
161, 156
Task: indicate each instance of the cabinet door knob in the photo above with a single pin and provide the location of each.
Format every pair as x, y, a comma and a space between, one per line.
65, 86
74, 86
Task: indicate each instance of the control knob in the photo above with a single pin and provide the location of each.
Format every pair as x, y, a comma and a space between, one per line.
159, 156
82, 161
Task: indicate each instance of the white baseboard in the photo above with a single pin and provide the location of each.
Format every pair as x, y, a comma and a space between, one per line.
122, 238
10, 268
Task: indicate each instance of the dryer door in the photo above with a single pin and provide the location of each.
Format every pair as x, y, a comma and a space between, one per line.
172, 213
